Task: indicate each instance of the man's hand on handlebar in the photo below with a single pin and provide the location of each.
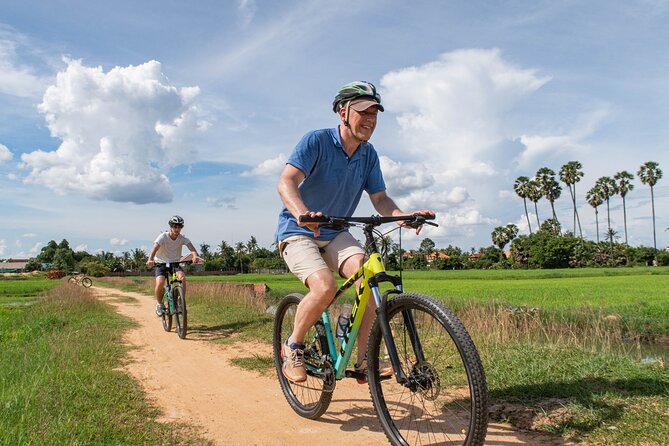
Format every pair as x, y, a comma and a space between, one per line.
427, 214
314, 226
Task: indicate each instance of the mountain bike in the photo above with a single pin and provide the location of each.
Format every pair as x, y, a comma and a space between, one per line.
438, 392
174, 299
80, 279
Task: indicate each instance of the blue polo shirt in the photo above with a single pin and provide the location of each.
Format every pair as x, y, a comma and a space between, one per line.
333, 182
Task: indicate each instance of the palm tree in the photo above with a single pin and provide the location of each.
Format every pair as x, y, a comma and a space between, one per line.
624, 185
138, 257
521, 189
240, 249
386, 246
205, 251
226, 253
502, 235
594, 198
534, 195
607, 189
649, 173
499, 237
252, 245
549, 187
570, 174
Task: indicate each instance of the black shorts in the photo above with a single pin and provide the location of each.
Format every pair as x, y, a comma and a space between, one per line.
164, 271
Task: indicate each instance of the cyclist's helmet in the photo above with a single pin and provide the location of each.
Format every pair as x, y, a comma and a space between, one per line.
356, 90
176, 221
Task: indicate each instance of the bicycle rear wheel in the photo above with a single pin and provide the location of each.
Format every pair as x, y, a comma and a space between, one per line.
180, 313
445, 400
309, 399
86, 282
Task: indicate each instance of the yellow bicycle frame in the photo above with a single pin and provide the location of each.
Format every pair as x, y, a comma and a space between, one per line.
369, 269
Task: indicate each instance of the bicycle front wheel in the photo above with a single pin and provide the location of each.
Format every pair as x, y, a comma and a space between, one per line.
309, 399
180, 313
167, 314
445, 398
86, 282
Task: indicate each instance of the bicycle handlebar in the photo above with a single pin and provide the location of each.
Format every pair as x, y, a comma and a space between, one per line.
178, 262
413, 220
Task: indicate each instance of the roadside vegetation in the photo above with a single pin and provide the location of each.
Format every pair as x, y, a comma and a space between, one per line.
576, 353
60, 373
562, 352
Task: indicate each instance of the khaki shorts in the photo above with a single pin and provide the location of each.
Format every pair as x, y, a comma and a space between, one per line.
306, 255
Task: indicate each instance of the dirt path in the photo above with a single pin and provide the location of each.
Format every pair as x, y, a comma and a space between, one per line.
238, 407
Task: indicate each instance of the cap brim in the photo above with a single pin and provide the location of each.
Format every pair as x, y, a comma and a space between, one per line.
363, 104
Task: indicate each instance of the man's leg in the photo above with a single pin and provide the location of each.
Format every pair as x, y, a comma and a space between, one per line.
303, 257
182, 277
350, 266
322, 288
160, 288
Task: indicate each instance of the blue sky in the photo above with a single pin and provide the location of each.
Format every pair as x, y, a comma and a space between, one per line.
116, 115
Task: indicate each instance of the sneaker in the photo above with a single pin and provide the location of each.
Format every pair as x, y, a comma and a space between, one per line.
160, 309
293, 362
385, 370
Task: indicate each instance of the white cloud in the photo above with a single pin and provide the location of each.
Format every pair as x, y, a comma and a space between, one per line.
16, 79
270, 167
540, 149
121, 132
3, 247
247, 10
37, 247
425, 199
5, 153
118, 242
81, 247
29, 235
451, 114
403, 178
227, 202
451, 110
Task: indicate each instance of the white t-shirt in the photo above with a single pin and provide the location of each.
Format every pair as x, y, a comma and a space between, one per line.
169, 250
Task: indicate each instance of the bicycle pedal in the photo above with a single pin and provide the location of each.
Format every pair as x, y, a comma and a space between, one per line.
361, 377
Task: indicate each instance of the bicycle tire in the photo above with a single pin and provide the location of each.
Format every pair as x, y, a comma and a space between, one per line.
72, 280
180, 312
86, 282
167, 315
311, 398
448, 403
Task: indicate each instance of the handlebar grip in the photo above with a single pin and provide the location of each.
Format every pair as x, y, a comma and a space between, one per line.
316, 219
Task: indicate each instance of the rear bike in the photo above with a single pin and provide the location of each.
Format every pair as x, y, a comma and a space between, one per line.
81, 279
437, 393
174, 300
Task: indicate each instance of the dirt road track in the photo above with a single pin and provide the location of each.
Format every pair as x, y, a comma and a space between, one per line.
237, 407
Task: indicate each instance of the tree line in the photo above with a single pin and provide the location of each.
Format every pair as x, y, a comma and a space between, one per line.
544, 185
240, 258
546, 245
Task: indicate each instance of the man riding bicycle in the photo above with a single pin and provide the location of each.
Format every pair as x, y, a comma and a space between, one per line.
326, 174
167, 248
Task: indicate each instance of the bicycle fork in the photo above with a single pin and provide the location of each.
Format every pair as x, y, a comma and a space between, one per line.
410, 324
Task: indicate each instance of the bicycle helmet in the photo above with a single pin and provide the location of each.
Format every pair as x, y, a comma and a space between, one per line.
176, 221
355, 90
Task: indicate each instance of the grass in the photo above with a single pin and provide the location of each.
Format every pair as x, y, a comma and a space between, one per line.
556, 360
568, 368
21, 290
60, 377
